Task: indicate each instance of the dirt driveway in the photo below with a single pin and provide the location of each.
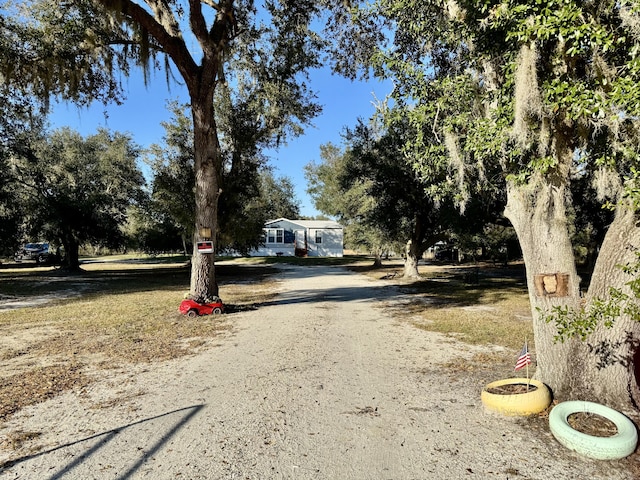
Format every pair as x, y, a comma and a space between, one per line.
323, 383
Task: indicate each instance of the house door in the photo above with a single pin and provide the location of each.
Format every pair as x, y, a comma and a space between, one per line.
301, 243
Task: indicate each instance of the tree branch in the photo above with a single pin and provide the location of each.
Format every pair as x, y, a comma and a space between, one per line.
199, 25
173, 46
165, 17
212, 4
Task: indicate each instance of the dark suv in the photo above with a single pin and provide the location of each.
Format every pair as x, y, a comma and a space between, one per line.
34, 251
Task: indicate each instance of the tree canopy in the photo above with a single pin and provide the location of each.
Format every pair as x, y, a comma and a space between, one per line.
535, 97
388, 204
251, 196
532, 101
77, 190
257, 57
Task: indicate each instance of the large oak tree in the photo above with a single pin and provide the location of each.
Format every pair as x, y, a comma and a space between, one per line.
556, 95
266, 50
77, 190
373, 187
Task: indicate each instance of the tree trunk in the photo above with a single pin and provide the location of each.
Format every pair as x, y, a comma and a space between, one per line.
537, 212
208, 166
413, 253
377, 258
415, 247
201, 82
603, 367
184, 243
71, 260
609, 372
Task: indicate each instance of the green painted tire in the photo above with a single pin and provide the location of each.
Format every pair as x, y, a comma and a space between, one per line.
528, 403
620, 445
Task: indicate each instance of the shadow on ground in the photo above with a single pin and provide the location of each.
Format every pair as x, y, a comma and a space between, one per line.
96, 443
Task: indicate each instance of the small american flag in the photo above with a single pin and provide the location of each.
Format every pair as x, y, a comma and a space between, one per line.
524, 359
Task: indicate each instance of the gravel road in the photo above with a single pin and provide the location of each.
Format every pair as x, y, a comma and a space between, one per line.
322, 383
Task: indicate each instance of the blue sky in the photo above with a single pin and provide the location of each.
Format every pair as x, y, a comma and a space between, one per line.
343, 103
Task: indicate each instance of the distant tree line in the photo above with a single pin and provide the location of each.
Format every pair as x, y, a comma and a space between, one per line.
90, 192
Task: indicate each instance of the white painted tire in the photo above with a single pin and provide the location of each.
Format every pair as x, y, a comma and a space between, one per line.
524, 404
620, 445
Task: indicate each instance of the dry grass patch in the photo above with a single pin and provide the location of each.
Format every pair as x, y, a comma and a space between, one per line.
37, 385
478, 362
16, 439
487, 323
129, 327
493, 310
244, 297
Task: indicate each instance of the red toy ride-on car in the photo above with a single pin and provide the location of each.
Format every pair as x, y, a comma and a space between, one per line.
192, 308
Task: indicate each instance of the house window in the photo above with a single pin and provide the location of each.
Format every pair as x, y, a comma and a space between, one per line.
274, 235
318, 236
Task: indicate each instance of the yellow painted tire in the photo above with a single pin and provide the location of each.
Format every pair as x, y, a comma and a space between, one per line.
528, 403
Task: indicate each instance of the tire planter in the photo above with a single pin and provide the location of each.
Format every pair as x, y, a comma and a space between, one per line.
528, 403
620, 445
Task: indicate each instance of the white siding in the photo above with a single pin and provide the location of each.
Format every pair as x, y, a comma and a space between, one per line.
329, 245
323, 238
273, 251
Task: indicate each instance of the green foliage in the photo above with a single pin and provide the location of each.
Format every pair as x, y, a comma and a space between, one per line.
554, 106
392, 185
586, 64
277, 197
268, 199
458, 69
632, 188
251, 194
172, 197
337, 193
77, 190
19, 117
323, 181
146, 231
490, 241
65, 50
262, 53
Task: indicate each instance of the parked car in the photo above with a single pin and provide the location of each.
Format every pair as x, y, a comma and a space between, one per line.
39, 252
447, 254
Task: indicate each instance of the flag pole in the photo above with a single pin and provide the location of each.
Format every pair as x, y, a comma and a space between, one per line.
524, 360
527, 347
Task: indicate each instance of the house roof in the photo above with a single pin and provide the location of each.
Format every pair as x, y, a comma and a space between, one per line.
320, 224
325, 224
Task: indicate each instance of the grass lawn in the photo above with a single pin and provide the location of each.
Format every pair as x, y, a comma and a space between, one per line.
113, 313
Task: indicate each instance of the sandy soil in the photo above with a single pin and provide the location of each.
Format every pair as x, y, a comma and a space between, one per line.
323, 383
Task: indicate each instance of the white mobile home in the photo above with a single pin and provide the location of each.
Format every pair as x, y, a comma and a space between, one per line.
313, 238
